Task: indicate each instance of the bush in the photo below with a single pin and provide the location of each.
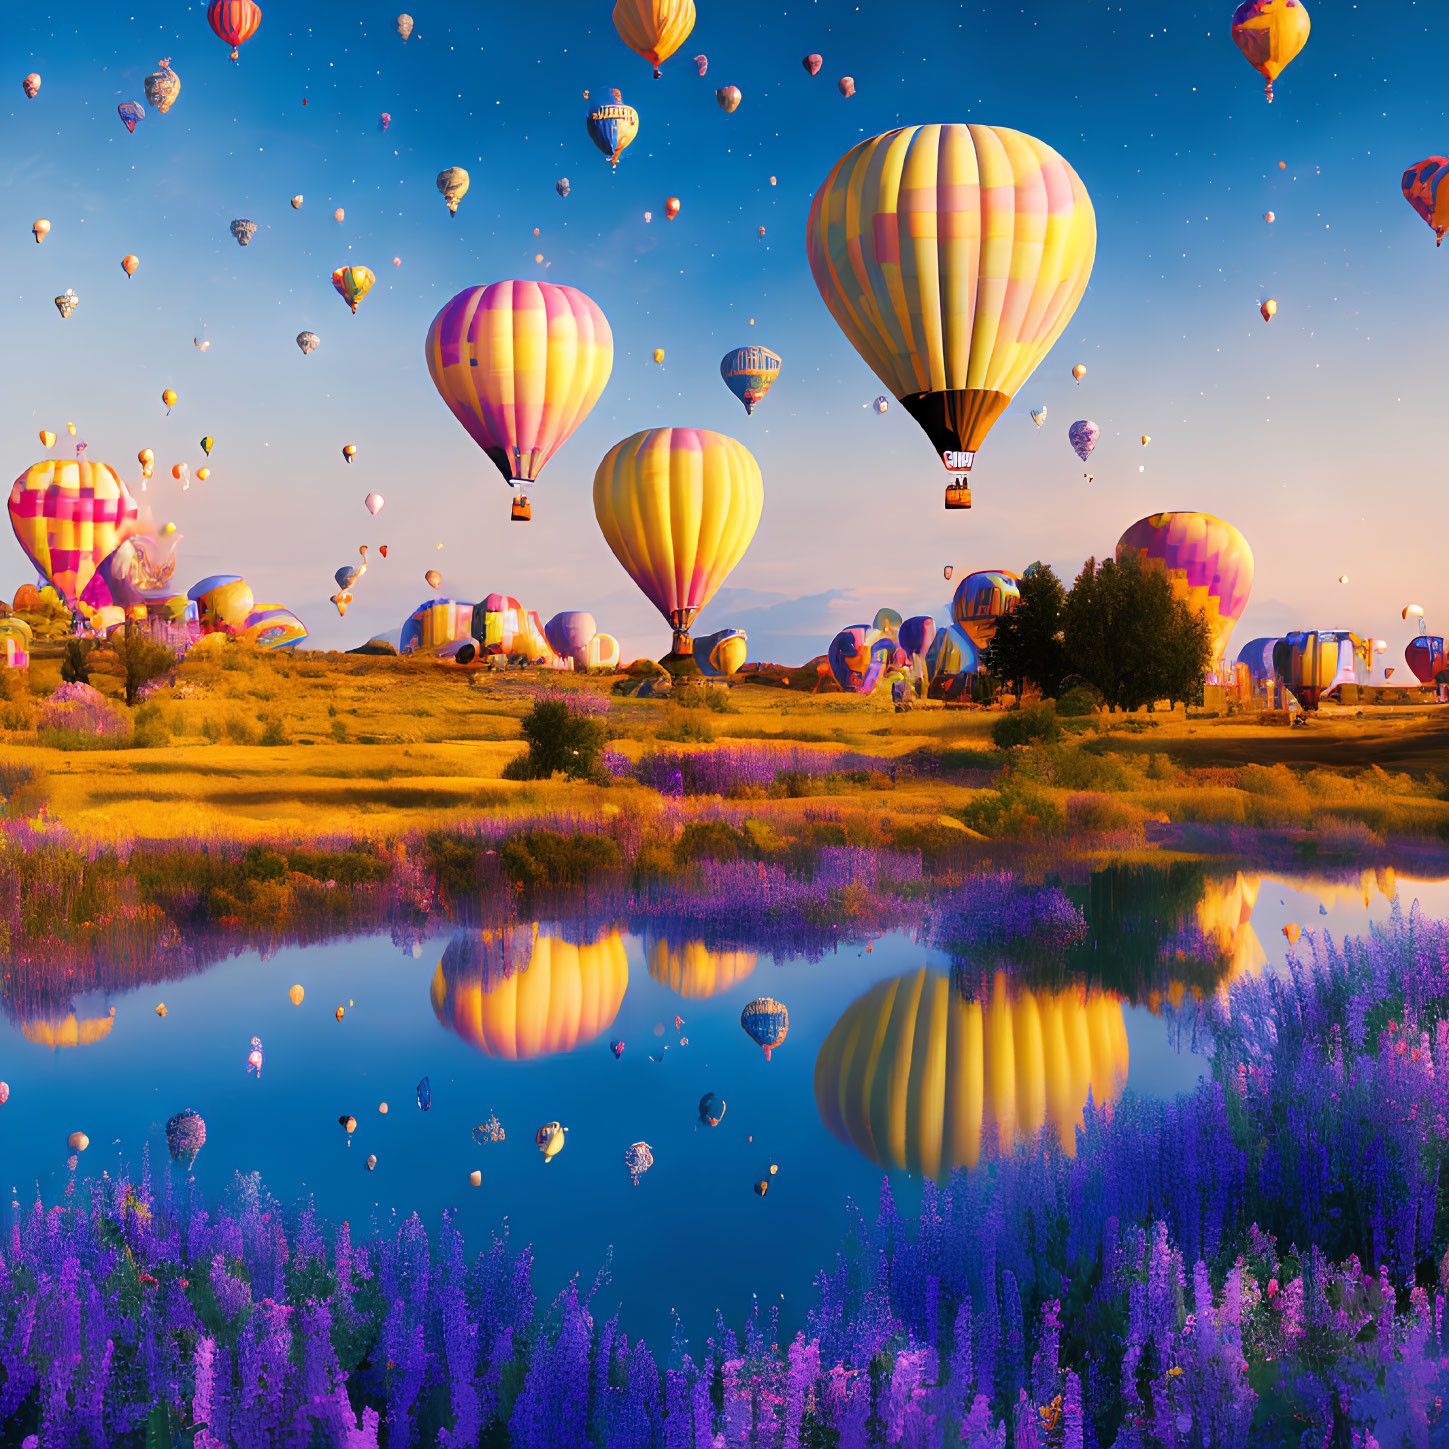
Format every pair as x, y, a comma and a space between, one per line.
273, 733
239, 732
708, 839
684, 729
1032, 725
720, 701
1016, 807
149, 731
24, 791
1075, 768
561, 740
141, 659
1079, 702
18, 709
1095, 814
538, 859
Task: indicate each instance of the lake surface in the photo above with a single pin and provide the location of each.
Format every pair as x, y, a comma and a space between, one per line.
887, 1064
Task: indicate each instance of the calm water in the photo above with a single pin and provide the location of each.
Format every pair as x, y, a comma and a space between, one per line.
534, 1047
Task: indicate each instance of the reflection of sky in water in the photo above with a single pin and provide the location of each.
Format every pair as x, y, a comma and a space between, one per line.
692, 1236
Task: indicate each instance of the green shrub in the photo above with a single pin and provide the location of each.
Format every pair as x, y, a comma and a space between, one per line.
720, 701
1017, 807
683, 729
1095, 814
210, 730
708, 839
455, 863
339, 731
273, 733
141, 659
149, 730
1034, 724
538, 859
1075, 768
559, 742
1078, 702
239, 732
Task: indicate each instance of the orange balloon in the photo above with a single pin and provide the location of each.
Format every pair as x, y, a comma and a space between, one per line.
339, 214
129, 265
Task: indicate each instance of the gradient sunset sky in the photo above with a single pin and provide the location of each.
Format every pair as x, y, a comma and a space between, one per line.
1319, 435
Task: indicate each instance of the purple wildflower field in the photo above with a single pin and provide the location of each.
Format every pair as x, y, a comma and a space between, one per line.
1262, 1252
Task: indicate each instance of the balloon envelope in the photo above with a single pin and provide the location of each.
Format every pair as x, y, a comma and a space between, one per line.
1425, 657
132, 113
952, 257
857, 657
1083, 435
981, 599
569, 633
1307, 662
916, 634
748, 372
721, 654
1424, 189
654, 28
1270, 33
1207, 561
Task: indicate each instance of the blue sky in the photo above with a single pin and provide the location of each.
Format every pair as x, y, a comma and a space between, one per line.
1317, 435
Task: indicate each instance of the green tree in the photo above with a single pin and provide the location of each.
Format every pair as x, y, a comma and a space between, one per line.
1028, 641
1125, 633
73, 667
559, 741
141, 658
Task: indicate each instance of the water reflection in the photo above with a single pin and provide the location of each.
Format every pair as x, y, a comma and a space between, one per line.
921, 1075
525, 991
694, 971
67, 1030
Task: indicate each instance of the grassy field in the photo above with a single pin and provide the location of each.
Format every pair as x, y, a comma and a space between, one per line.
253, 745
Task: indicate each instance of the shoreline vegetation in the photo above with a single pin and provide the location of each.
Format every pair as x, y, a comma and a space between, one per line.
1259, 1260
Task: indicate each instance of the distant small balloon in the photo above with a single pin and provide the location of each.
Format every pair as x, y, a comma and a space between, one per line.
296, 993
880, 404
371, 1161
638, 1159
562, 186
243, 230
308, 342
79, 1141
648, 217
339, 215
373, 503
339, 1013
772, 181
349, 451
405, 26
617, 1047
132, 113
202, 474
129, 263
846, 85
947, 572
1079, 371
47, 438
1269, 217
297, 203
729, 98
476, 1178
425, 1095
701, 63
659, 354
41, 228
169, 398
1343, 578
31, 85
1269, 309
1039, 415
386, 120
671, 207
812, 63
434, 579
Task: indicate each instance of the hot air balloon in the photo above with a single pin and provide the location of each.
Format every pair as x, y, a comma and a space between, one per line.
1270, 33
1039, 415
550, 1140
453, 184
846, 86
947, 572
68, 517
207, 444
31, 86
132, 113
297, 202
1388, 674
163, 87
880, 405
612, 127
1207, 561
678, 507
1412, 611
181, 472
517, 994
1424, 189
185, 1136
129, 264
67, 302
41, 228
234, 21
952, 323
352, 284
169, 397
857, 657
916, 635
1269, 309
654, 28
405, 26
385, 120
812, 64
349, 451
1079, 372
562, 186
223, 603
728, 98
766, 1022
748, 372
1425, 657
147, 459
722, 654
1307, 662
47, 438
658, 354
1083, 435
568, 633
952, 654
1269, 217
434, 579
520, 365
711, 1109
671, 207
920, 1079
373, 503
701, 64
308, 342
203, 474
981, 600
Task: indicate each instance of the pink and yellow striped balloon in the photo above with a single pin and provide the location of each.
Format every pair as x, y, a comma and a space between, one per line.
520, 365
679, 507
1207, 561
68, 516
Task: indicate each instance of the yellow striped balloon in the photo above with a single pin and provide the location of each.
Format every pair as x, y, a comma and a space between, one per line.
679, 507
352, 284
952, 257
694, 970
654, 28
520, 365
1270, 33
68, 517
918, 1078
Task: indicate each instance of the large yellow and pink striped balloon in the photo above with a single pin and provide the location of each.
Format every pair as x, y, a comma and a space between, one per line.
68, 516
679, 507
520, 365
952, 257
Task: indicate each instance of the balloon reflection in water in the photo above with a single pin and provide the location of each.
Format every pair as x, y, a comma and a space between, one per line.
518, 994
917, 1077
693, 971
68, 1031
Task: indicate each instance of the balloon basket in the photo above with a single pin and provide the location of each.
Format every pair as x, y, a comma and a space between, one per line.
522, 512
958, 495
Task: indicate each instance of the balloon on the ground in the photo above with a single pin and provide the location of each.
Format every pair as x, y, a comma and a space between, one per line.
273, 626
520, 364
568, 633
887, 622
953, 327
749, 372
916, 634
1257, 657
654, 28
1207, 561
68, 516
223, 602
1307, 662
1425, 657
981, 600
678, 507
602, 652
952, 654
721, 654
858, 656
501, 626
434, 625
1270, 33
